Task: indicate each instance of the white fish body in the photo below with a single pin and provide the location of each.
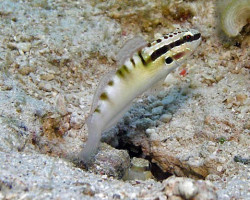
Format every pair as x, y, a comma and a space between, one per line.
138, 73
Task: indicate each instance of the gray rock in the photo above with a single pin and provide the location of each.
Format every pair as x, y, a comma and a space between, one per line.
166, 118
110, 161
189, 189
144, 123
158, 110
167, 100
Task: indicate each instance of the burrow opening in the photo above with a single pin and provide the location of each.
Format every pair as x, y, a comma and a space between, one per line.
135, 151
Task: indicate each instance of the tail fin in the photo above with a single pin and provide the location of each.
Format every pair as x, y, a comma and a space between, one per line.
91, 147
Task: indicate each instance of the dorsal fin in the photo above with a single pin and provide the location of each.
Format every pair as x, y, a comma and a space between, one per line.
129, 48
102, 84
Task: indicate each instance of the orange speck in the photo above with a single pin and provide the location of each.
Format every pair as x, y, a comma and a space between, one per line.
124, 33
183, 72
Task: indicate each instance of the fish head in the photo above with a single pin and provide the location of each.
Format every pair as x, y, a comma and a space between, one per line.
185, 46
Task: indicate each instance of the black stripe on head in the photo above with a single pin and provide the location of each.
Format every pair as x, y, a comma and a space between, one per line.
187, 38
156, 54
172, 45
179, 42
142, 59
197, 36
190, 38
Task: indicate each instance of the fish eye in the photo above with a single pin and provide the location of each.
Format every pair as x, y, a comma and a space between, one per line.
188, 38
168, 60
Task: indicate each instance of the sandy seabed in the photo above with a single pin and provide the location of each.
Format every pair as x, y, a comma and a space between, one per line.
52, 56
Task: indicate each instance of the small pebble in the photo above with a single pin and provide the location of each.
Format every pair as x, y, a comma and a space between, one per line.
144, 123
25, 47
47, 77
152, 98
76, 121
187, 189
6, 87
161, 94
213, 177
61, 104
247, 125
22, 46
45, 86
157, 103
116, 196
26, 70
88, 189
150, 131
166, 118
219, 168
245, 161
157, 111
167, 100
